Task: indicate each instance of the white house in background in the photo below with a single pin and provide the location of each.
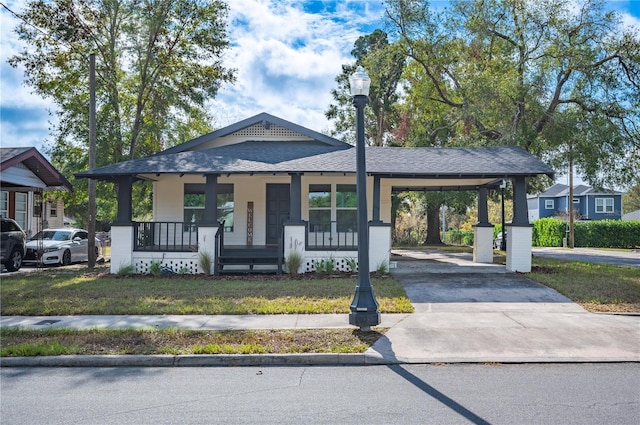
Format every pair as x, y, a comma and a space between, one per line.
25, 176
251, 193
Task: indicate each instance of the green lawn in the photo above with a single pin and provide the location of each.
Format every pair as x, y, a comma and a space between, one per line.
58, 292
597, 287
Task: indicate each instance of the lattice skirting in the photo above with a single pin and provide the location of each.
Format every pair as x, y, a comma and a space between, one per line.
339, 264
177, 265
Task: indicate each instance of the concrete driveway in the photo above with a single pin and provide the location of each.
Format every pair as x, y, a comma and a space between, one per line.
467, 312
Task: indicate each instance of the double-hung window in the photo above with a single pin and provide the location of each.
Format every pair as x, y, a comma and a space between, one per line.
604, 205
346, 207
320, 207
194, 204
549, 204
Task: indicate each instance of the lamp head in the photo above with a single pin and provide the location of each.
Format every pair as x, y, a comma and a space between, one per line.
359, 82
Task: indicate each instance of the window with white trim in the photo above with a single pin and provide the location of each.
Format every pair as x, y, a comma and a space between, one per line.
576, 200
604, 205
4, 204
549, 204
346, 207
21, 209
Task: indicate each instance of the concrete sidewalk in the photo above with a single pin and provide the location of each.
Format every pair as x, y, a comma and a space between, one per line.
464, 312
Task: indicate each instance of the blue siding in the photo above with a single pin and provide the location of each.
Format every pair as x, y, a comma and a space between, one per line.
586, 208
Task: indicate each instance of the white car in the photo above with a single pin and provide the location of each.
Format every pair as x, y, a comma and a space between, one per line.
59, 246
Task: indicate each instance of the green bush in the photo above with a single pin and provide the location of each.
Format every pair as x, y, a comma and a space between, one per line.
548, 231
594, 234
608, 234
458, 237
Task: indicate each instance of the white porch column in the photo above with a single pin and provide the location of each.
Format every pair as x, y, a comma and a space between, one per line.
294, 240
520, 232
206, 242
519, 248
379, 245
482, 244
121, 247
483, 231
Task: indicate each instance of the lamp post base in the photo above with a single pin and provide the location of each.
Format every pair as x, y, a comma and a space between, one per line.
364, 319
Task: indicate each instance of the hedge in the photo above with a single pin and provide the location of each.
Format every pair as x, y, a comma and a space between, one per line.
594, 234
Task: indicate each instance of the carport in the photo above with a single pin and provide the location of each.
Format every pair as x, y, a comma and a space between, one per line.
457, 169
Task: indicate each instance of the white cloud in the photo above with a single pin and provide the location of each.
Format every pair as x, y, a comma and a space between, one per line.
286, 59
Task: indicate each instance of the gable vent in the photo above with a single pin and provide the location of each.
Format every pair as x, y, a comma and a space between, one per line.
259, 130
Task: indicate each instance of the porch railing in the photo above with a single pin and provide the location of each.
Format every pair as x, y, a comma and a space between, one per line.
331, 236
165, 236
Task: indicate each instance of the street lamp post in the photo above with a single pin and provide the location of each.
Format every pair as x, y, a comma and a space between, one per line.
364, 307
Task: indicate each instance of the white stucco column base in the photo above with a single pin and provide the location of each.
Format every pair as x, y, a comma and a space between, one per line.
206, 243
294, 240
483, 244
519, 248
379, 246
121, 247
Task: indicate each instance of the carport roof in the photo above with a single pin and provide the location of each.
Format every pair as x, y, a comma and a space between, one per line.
278, 157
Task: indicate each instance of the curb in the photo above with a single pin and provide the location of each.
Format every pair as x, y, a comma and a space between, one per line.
211, 360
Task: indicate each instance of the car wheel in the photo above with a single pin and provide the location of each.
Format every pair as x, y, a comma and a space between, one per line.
15, 261
66, 258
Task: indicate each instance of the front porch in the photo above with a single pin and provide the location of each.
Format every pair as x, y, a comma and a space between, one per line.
178, 246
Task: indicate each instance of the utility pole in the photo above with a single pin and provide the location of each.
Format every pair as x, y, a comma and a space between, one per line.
92, 161
571, 234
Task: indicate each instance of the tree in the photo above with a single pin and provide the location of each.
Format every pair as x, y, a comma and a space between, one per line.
158, 62
631, 200
384, 64
517, 72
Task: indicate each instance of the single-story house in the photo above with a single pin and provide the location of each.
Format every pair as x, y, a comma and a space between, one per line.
24, 176
588, 203
265, 187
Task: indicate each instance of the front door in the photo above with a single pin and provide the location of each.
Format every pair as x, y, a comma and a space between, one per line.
277, 211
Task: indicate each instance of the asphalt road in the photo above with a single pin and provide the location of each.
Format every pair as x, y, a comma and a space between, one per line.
419, 394
589, 255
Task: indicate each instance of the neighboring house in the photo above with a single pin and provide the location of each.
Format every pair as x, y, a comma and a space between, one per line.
25, 176
279, 187
633, 215
588, 203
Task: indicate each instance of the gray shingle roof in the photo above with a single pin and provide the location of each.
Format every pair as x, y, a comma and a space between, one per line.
38, 164
306, 157
560, 190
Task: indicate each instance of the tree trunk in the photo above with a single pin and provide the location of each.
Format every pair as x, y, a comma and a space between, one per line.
433, 225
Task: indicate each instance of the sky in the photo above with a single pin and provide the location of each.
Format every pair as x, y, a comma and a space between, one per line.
287, 55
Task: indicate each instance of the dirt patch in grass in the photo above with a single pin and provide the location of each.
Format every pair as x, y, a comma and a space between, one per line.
19, 342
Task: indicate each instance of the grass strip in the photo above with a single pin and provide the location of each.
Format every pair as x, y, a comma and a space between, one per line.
53, 342
596, 287
62, 293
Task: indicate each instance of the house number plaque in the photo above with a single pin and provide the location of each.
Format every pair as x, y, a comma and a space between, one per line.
249, 223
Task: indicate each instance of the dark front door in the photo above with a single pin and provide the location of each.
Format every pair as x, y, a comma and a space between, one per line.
277, 211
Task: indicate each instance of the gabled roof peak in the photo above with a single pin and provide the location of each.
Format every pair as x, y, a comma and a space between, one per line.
265, 120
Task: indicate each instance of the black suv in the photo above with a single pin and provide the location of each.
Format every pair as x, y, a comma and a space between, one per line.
13, 245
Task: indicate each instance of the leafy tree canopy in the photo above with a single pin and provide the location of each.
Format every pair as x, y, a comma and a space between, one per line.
560, 79
157, 63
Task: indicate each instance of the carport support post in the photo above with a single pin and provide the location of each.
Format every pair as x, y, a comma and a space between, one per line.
483, 231
519, 231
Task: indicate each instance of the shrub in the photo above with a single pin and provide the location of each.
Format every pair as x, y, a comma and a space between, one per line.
206, 261
352, 263
325, 265
155, 268
293, 262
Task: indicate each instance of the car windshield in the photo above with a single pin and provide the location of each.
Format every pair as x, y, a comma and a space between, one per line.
53, 235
